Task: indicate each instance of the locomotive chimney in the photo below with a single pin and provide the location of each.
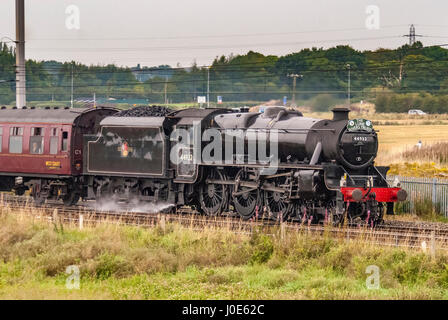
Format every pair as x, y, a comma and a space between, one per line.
340, 114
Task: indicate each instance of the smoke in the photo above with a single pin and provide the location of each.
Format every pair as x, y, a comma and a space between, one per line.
136, 206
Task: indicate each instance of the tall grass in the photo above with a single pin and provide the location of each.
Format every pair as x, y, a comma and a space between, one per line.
422, 207
430, 160
437, 152
180, 263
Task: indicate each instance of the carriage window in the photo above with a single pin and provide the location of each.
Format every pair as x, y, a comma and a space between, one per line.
37, 141
1, 138
54, 141
15, 139
64, 141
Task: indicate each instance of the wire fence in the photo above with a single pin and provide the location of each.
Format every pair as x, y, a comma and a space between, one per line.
424, 193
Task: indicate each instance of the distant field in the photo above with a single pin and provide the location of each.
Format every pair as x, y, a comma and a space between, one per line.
395, 141
399, 138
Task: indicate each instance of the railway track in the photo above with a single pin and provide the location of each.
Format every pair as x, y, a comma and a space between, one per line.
424, 235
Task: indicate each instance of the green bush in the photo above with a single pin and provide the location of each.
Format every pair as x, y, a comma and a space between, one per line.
108, 265
263, 248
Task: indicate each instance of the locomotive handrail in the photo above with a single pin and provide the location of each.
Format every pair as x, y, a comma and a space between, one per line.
363, 176
283, 130
294, 130
280, 165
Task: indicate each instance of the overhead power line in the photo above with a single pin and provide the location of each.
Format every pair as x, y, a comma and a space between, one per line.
237, 35
341, 66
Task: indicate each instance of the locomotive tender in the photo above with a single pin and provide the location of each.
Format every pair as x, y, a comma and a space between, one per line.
323, 169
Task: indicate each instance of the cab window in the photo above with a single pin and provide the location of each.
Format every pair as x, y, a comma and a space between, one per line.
37, 141
15, 140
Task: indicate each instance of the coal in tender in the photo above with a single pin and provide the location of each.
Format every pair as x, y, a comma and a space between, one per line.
145, 111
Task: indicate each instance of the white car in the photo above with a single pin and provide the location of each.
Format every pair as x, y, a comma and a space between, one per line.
416, 111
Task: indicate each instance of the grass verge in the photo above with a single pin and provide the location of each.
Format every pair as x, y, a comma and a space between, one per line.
119, 262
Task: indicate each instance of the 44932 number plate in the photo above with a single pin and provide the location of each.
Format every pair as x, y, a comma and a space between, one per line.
360, 138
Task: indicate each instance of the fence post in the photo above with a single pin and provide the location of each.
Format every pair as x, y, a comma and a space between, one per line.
55, 219
162, 222
81, 221
434, 191
433, 244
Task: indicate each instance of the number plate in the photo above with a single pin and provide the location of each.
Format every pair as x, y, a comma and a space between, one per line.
358, 138
53, 164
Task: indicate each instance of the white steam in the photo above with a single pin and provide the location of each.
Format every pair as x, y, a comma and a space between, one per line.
134, 207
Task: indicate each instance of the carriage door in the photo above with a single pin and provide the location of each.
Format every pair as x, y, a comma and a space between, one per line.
186, 168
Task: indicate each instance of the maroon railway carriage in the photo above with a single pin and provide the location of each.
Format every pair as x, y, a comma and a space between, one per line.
41, 150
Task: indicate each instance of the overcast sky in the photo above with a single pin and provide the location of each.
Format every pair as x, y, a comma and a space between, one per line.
154, 32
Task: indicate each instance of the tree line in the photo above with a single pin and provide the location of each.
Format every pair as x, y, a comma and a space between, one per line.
395, 79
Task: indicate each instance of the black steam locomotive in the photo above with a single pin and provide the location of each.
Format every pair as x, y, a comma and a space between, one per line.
277, 164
